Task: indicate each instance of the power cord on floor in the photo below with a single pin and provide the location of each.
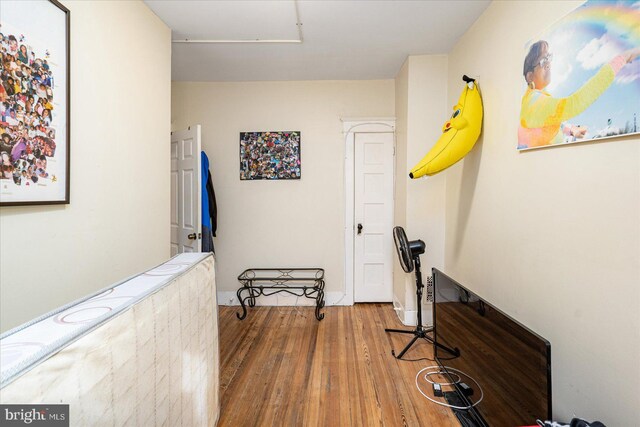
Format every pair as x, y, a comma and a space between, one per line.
439, 371
393, 353
421, 359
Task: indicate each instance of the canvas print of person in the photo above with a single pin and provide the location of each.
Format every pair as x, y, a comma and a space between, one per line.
582, 77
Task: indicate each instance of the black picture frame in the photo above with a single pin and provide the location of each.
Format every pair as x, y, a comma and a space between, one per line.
272, 155
63, 193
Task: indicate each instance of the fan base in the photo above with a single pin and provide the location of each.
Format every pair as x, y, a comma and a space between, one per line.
419, 332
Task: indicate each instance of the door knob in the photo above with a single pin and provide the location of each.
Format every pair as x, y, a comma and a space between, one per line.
359, 228
191, 236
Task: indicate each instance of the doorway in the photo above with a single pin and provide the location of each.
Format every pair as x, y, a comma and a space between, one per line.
369, 189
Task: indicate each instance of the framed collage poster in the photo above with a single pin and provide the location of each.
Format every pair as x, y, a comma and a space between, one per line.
270, 155
34, 103
582, 77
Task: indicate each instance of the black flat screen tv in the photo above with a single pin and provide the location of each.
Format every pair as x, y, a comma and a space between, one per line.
510, 364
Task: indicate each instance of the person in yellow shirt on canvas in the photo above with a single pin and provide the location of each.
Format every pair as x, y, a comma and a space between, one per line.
543, 118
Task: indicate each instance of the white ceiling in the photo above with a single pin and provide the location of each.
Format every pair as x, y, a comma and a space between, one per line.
342, 40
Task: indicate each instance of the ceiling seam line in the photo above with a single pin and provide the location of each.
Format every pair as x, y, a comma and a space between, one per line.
299, 40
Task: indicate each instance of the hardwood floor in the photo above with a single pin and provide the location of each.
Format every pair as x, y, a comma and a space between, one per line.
281, 367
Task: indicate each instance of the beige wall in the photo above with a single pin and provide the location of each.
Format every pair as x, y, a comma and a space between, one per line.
550, 236
426, 197
400, 206
421, 93
279, 223
116, 224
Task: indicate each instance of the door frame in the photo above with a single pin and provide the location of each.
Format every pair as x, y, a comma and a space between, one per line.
351, 126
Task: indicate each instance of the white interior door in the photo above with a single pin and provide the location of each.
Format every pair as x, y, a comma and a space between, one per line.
186, 224
373, 217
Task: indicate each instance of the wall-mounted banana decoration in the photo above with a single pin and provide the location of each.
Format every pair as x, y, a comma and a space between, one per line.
459, 133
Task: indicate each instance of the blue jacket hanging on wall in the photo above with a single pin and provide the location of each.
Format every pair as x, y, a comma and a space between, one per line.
209, 207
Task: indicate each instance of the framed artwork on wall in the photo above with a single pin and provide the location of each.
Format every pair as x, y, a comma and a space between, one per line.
34, 103
270, 155
582, 77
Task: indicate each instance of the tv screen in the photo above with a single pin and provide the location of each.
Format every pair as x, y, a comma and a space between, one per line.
494, 364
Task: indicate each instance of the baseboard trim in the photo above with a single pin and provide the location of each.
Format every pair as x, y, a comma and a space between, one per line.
399, 309
407, 317
229, 298
410, 317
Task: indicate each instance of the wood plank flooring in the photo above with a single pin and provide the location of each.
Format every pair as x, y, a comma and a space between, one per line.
281, 367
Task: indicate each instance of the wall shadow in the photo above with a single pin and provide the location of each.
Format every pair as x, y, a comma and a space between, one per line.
468, 181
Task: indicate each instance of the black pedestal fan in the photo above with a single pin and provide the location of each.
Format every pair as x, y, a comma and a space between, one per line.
409, 255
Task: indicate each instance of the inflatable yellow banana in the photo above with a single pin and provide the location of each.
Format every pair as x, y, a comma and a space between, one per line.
459, 133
